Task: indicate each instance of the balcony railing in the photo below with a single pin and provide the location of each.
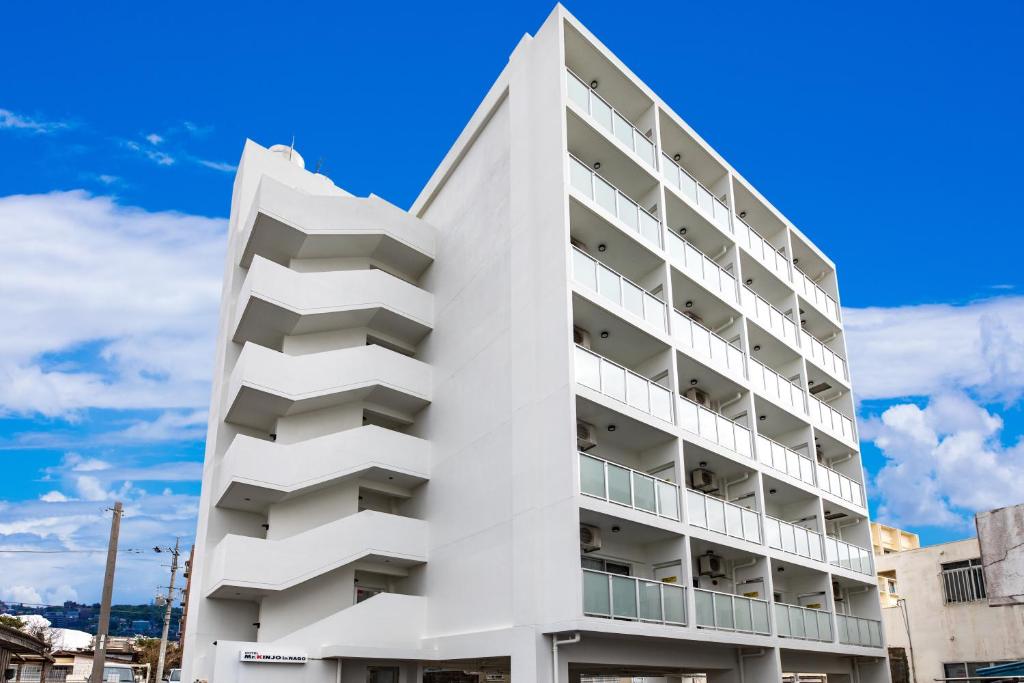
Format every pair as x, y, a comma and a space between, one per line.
824, 357
793, 621
816, 295
707, 346
831, 420
715, 514
963, 584
846, 555
727, 612
786, 460
598, 277
776, 387
614, 201
771, 258
612, 121
615, 381
624, 486
791, 538
702, 268
713, 208
714, 427
768, 316
626, 597
859, 631
840, 485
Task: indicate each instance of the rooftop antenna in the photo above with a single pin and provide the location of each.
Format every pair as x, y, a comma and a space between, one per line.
319, 163
291, 148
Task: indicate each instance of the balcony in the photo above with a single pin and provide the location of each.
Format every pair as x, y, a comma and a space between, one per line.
715, 427
614, 288
859, 631
715, 514
793, 621
701, 268
616, 596
817, 296
847, 556
625, 386
768, 316
727, 612
608, 119
776, 387
710, 206
834, 423
614, 202
785, 460
840, 485
708, 347
793, 539
761, 249
624, 486
824, 357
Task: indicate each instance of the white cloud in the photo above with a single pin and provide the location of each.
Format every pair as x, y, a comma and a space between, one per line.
157, 156
217, 165
21, 594
154, 139
107, 179
10, 120
53, 497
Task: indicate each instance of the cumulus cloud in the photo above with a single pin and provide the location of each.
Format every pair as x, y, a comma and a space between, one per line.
13, 121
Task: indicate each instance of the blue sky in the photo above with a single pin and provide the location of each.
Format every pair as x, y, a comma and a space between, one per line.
887, 132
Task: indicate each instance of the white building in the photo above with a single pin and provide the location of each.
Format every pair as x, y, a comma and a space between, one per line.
452, 439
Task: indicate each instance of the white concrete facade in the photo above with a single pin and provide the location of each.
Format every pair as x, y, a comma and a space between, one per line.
395, 481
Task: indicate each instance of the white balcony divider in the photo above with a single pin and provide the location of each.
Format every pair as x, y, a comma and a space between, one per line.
715, 514
608, 118
771, 258
846, 555
791, 538
617, 484
727, 612
859, 631
626, 386
793, 621
702, 268
596, 276
707, 346
711, 206
784, 459
823, 356
714, 427
840, 485
776, 387
816, 295
831, 420
768, 316
615, 202
626, 597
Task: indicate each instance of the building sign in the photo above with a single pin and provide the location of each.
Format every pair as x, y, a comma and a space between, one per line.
272, 657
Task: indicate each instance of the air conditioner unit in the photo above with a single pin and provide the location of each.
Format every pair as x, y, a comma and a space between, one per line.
704, 480
837, 592
590, 538
586, 435
698, 396
711, 565
581, 337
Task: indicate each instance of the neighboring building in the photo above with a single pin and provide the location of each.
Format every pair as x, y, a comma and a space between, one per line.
1001, 538
886, 540
585, 403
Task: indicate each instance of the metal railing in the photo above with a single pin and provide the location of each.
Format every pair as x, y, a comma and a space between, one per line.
791, 538
770, 257
813, 292
625, 386
824, 357
793, 621
625, 597
708, 346
714, 427
702, 268
715, 514
963, 584
768, 316
728, 612
831, 420
776, 387
594, 275
840, 485
846, 555
614, 201
784, 459
859, 631
713, 208
621, 128
617, 484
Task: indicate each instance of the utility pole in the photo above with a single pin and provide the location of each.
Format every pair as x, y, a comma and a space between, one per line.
168, 608
99, 658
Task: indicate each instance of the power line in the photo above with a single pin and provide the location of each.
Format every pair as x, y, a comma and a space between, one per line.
54, 552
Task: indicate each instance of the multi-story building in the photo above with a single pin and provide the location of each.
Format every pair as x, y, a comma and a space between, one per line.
583, 411
886, 540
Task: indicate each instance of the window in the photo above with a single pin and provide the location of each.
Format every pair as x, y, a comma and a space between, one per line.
890, 585
965, 669
598, 564
963, 581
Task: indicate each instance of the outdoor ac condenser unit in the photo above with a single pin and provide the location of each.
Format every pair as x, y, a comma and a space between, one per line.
586, 435
590, 538
704, 480
711, 565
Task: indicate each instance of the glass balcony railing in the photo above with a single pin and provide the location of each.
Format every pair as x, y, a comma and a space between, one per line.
776, 387
816, 295
859, 631
615, 202
625, 386
599, 278
626, 597
584, 97
842, 554
727, 612
786, 460
624, 486
822, 356
790, 538
702, 268
713, 208
793, 621
767, 255
768, 316
831, 420
840, 485
715, 514
714, 427
708, 347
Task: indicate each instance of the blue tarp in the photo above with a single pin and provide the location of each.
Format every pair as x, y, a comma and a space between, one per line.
1008, 669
